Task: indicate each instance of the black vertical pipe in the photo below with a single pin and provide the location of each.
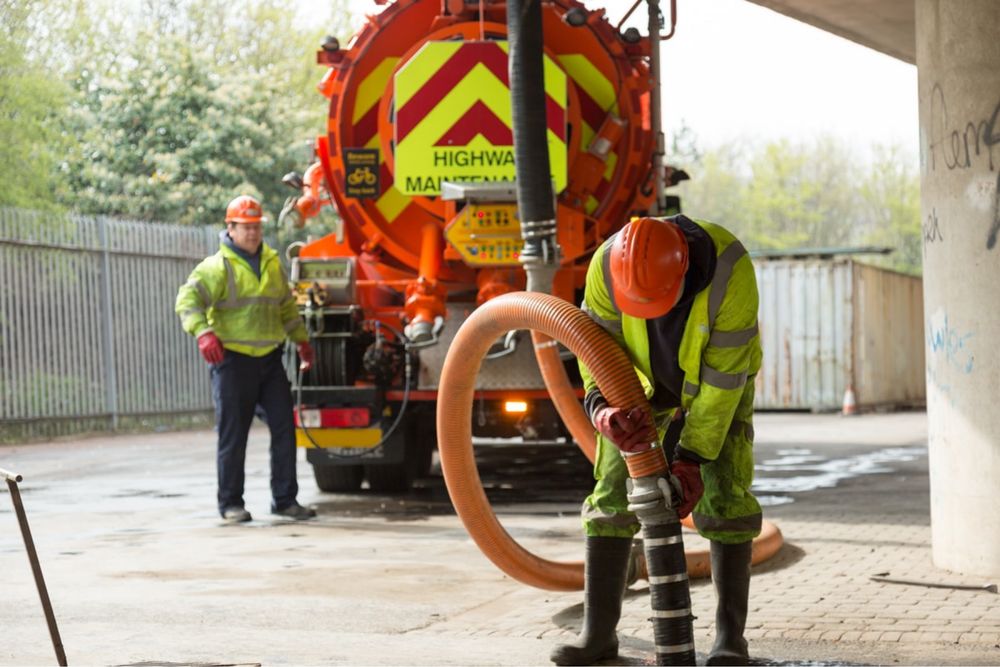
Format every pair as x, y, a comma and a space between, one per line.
651, 498
670, 593
531, 149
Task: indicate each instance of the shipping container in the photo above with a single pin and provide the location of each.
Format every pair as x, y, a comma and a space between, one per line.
832, 324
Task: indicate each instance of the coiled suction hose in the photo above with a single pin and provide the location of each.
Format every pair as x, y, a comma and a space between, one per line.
699, 561
557, 319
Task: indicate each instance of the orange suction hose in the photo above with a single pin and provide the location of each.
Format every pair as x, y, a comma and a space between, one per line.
563, 396
613, 373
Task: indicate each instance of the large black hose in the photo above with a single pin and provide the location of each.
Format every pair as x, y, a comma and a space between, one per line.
650, 497
531, 152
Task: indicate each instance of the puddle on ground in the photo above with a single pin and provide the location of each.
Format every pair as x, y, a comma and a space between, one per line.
773, 501
768, 662
755, 662
824, 473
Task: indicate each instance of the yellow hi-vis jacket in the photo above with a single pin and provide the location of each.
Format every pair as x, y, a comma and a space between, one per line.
720, 348
719, 355
250, 315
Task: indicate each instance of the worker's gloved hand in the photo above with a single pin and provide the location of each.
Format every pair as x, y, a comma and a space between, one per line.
688, 476
210, 347
306, 356
630, 430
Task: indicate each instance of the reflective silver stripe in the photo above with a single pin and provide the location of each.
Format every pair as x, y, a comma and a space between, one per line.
613, 327
723, 270
253, 343
590, 513
733, 338
606, 270
292, 325
663, 541
676, 648
669, 578
243, 302
741, 524
691, 389
722, 380
206, 297
230, 300
672, 613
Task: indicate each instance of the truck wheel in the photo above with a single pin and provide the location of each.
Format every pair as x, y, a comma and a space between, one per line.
389, 478
398, 477
338, 479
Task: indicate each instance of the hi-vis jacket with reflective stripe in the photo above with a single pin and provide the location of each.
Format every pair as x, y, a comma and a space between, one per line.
719, 351
250, 315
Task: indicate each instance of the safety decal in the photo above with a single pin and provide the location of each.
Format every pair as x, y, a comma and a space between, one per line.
453, 117
361, 173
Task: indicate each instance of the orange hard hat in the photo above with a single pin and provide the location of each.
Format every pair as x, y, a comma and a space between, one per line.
244, 209
649, 258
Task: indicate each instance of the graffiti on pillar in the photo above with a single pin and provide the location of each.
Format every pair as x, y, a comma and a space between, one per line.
932, 228
947, 342
991, 239
963, 143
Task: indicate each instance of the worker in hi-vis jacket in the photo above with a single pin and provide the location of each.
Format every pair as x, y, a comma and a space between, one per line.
238, 305
680, 297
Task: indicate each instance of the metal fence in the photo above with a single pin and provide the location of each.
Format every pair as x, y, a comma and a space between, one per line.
88, 335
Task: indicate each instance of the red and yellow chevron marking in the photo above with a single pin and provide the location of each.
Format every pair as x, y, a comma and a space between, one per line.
364, 119
453, 117
597, 99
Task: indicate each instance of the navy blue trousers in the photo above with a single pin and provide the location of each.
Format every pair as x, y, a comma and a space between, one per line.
239, 384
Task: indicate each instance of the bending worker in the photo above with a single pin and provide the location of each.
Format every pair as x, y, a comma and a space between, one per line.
238, 305
680, 298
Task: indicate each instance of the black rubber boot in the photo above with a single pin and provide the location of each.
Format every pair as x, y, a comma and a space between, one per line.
731, 575
605, 572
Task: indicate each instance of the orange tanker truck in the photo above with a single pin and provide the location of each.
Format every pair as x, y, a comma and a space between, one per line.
418, 160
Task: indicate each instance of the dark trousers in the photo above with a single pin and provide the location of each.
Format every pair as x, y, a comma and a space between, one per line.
239, 384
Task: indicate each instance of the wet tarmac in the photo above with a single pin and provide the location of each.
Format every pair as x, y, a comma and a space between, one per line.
143, 572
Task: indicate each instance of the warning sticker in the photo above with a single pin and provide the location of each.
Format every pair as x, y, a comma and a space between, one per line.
361, 167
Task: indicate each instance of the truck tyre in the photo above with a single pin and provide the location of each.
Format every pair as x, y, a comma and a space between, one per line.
338, 478
389, 478
417, 456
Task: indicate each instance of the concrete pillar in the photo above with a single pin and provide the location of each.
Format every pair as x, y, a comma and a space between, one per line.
958, 63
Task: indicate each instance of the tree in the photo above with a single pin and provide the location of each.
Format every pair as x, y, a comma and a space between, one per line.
31, 104
178, 105
800, 195
817, 194
890, 198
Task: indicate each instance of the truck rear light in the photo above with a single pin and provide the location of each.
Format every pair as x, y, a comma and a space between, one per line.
515, 407
333, 418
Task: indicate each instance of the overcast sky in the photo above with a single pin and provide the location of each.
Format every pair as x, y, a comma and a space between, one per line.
737, 70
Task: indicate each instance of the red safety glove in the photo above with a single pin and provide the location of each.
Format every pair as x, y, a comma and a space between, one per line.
210, 347
688, 475
630, 430
306, 356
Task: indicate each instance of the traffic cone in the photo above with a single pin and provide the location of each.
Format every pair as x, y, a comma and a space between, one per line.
850, 406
